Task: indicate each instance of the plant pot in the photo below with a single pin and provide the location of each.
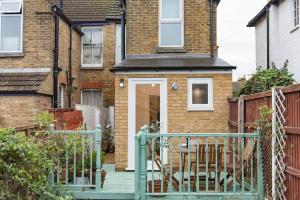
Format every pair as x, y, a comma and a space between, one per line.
82, 181
62, 174
157, 186
103, 175
105, 145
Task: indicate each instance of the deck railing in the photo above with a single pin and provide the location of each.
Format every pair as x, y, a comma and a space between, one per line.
79, 163
222, 164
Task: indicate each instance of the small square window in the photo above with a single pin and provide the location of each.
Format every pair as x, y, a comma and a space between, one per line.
200, 94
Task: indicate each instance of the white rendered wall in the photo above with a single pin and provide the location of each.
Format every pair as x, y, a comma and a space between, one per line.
284, 39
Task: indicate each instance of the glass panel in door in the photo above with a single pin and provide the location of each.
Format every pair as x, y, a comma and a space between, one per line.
148, 111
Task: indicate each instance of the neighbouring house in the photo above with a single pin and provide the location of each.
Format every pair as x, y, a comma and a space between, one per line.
30, 52
171, 77
56, 54
278, 35
99, 20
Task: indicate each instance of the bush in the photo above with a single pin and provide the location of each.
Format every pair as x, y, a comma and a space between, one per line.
264, 80
24, 167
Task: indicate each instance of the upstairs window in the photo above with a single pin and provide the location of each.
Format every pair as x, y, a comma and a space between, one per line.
296, 13
171, 23
11, 25
92, 46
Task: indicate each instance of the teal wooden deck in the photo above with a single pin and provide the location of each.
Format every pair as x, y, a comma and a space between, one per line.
120, 185
241, 181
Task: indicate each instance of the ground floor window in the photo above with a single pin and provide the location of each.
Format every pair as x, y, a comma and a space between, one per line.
200, 94
91, 97
61, 93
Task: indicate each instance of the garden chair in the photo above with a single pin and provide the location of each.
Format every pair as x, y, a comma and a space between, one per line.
166, 169
238, 167
212, 163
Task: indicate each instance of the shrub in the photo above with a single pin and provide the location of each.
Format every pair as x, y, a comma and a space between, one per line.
264, 80
24, 167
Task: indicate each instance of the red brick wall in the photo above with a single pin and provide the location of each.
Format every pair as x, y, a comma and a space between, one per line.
67, 119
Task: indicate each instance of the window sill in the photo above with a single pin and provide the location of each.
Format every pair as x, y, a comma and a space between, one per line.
91, 68
11, 55
170, 50
294, 29
195, 109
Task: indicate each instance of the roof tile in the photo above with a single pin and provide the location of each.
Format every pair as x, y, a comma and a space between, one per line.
21, 81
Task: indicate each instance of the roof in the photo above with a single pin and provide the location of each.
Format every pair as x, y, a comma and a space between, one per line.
90, 10
21, 81
172, 62
261, 13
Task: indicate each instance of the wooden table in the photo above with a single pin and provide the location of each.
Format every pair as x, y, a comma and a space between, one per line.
192, 151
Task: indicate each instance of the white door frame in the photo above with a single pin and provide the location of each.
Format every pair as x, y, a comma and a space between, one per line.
132, 82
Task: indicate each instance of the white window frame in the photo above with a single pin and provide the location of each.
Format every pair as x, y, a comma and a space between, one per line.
101, 95
22, 25
170, 21
200, 107
118, 45
296, 14
92, 65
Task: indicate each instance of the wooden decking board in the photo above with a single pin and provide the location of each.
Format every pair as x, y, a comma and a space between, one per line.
120, 185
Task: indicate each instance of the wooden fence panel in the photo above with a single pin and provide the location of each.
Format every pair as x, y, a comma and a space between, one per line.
233, 115
252, 103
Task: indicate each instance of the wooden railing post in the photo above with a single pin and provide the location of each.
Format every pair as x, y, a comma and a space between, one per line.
51, 177
143, 164
260, 180
98, 158
241, 114
137, 167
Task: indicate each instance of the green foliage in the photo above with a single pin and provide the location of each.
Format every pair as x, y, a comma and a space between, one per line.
24, 166
264, 80
264, 122
44, 119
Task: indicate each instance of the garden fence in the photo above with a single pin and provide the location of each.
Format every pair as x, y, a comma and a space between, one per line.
244, 114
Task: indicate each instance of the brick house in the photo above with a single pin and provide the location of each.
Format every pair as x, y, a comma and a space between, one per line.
171, 74
55, 54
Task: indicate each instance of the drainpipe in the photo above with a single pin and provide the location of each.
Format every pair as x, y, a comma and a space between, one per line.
268, 36
55, 66
61, 5
122, 5
212, 34
70, 79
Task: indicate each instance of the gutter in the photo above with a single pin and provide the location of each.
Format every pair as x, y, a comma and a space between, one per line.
57, 11
268, 36
122, 5
70, 79
212, 36
157, 69
56, 68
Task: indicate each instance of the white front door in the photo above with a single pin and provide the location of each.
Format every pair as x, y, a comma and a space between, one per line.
147, 105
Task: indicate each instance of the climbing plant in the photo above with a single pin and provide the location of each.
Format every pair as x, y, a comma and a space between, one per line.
265, 79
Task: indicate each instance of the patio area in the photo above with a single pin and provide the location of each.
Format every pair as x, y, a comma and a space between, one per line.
120, 185
167, 166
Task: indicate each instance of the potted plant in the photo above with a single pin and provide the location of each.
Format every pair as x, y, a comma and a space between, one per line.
107, 138
88, 167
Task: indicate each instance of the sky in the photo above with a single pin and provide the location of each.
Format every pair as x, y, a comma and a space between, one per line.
235, 40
